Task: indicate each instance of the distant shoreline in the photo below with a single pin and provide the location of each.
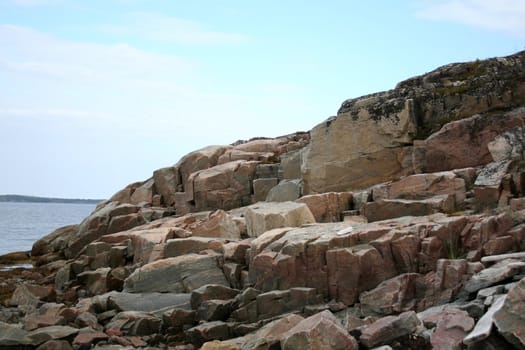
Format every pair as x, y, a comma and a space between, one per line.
15, 198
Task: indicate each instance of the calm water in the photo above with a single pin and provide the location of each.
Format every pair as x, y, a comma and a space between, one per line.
21, 224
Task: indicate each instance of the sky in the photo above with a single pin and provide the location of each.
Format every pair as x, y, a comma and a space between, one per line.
97, 94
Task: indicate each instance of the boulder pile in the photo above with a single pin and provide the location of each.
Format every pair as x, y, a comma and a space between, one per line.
397, 224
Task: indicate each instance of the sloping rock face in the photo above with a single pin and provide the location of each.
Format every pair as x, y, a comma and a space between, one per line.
428, 253
381, 131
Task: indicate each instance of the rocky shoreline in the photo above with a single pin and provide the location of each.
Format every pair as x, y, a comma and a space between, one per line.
397, 224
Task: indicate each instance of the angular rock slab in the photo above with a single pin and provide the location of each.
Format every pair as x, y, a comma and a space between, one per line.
321, 331
389, 328
177, 275
494, 274
510, 319
483, 327
41, 335
394, 295
452, 325
147, 302
262, 217
13, 335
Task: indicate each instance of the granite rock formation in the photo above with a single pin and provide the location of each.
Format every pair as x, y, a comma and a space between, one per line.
397, 224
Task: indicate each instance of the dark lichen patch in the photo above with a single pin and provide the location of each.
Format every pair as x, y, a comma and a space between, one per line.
453, 89
386, 109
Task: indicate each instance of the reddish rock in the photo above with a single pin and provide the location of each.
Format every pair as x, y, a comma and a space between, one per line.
320, 332
270, 334
500, 245
393, 208
143, 241
167, 180
424, 186
391, 296
215, 330
90, 338
182, 246
95, 282
236, 251
135, 323
211, 292
125, 222
144, 193
124, 195
452, 326
218, 224
455, 146
56, 241
328, 207
31, 294
224, 186
386, 329
352, 271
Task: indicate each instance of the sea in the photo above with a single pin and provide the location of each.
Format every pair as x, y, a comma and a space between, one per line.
21, 224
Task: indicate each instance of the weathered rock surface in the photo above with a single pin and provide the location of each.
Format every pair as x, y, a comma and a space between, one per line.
510, 319
380, 129
183, 259
177, 275
389, 328
321, 331
262, 217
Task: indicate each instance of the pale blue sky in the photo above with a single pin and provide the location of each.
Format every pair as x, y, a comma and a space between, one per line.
97, 94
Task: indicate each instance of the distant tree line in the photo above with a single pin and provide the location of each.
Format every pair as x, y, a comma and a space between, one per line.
31, 199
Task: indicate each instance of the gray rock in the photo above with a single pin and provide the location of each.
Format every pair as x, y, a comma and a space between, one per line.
483, 327
214, 310
510, 318
286, 190
178, 275
494, 274
321, 331
147, 302
389, 328
216, 330
211, 292
261, 188
262, 217
41, 335
136, 323
13, 335
508, 146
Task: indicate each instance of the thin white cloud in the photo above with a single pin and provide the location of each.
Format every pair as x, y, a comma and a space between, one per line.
53, 114
40, 54
28, 3
505, 16
163, 28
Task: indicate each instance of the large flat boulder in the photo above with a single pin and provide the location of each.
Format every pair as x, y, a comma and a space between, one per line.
147, 302
264, 216
388, 328
392, 208
321, 331
328, 207
225, 186
510, 319
177, 275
